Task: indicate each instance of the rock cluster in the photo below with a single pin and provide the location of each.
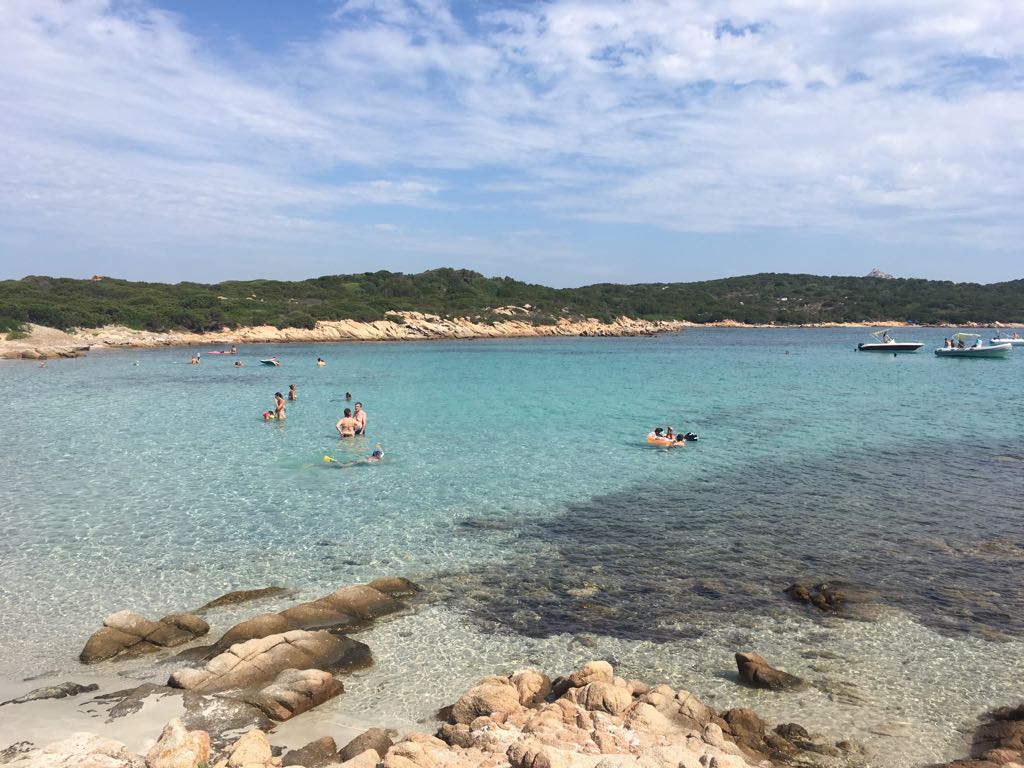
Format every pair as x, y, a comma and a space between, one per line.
130, 634
588, 719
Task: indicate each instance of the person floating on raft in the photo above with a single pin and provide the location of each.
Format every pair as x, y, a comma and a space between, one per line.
669, 439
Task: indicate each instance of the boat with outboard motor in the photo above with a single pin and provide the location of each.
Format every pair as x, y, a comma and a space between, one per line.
1014, 341
959, 347
886, 343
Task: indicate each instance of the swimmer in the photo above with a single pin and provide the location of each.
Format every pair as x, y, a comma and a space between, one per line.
268, 415
376, 456
239, 364
234, 350
292, 394
279, 406
195, 360
346, 425
348, 395
320, 362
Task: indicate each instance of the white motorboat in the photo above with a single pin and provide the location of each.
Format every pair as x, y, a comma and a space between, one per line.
1014, 340
886, 343
961, 348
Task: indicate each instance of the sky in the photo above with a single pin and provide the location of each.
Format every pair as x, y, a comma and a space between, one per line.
565, 142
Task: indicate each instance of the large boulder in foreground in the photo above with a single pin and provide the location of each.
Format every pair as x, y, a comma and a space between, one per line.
255, 663
82, 750
375, 739
295, 691
756, 671
179, 748
130, 634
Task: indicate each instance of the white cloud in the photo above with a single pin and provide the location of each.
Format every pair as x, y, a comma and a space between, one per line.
870, 119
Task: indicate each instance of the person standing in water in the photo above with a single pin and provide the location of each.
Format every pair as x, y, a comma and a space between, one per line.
346, 425
360, 417
292, 394
279, 406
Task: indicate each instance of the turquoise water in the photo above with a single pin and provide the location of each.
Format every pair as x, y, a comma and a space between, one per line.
518, 487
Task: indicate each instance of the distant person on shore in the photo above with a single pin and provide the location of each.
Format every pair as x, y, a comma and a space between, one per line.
279, 406
360, 417
292, 394
346, 425
320, 362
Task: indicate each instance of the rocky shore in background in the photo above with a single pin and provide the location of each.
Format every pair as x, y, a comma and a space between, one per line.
44, 343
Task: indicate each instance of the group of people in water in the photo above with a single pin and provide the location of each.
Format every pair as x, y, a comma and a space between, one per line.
351, 424
668, 438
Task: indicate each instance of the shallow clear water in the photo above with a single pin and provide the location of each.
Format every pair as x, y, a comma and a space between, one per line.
518, 488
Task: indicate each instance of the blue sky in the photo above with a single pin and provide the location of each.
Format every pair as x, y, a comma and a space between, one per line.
565, 142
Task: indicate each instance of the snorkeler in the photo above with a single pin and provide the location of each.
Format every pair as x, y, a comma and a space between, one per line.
373, 458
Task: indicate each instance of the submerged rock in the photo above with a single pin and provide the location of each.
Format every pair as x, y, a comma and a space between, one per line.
756, 671
244, 596
344, 610
53, 692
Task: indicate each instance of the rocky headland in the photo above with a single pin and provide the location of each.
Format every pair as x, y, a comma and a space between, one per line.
42, 343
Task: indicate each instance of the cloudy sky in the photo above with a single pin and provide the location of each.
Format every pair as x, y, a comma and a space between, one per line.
563, 142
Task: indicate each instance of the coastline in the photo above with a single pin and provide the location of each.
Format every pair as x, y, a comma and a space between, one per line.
43, 343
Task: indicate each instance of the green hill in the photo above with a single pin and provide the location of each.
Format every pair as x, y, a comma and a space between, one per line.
764, 298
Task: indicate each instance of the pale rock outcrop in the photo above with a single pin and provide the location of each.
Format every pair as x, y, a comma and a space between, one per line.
252, 750
131, 634
179, 748
81, 750
492, 694
613, 699
367, 759
256, 662
533, 686
295, 691
531, 753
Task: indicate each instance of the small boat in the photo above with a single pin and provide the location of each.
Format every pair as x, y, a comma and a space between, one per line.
960, 348
1014, 341
271, 361
887, 343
